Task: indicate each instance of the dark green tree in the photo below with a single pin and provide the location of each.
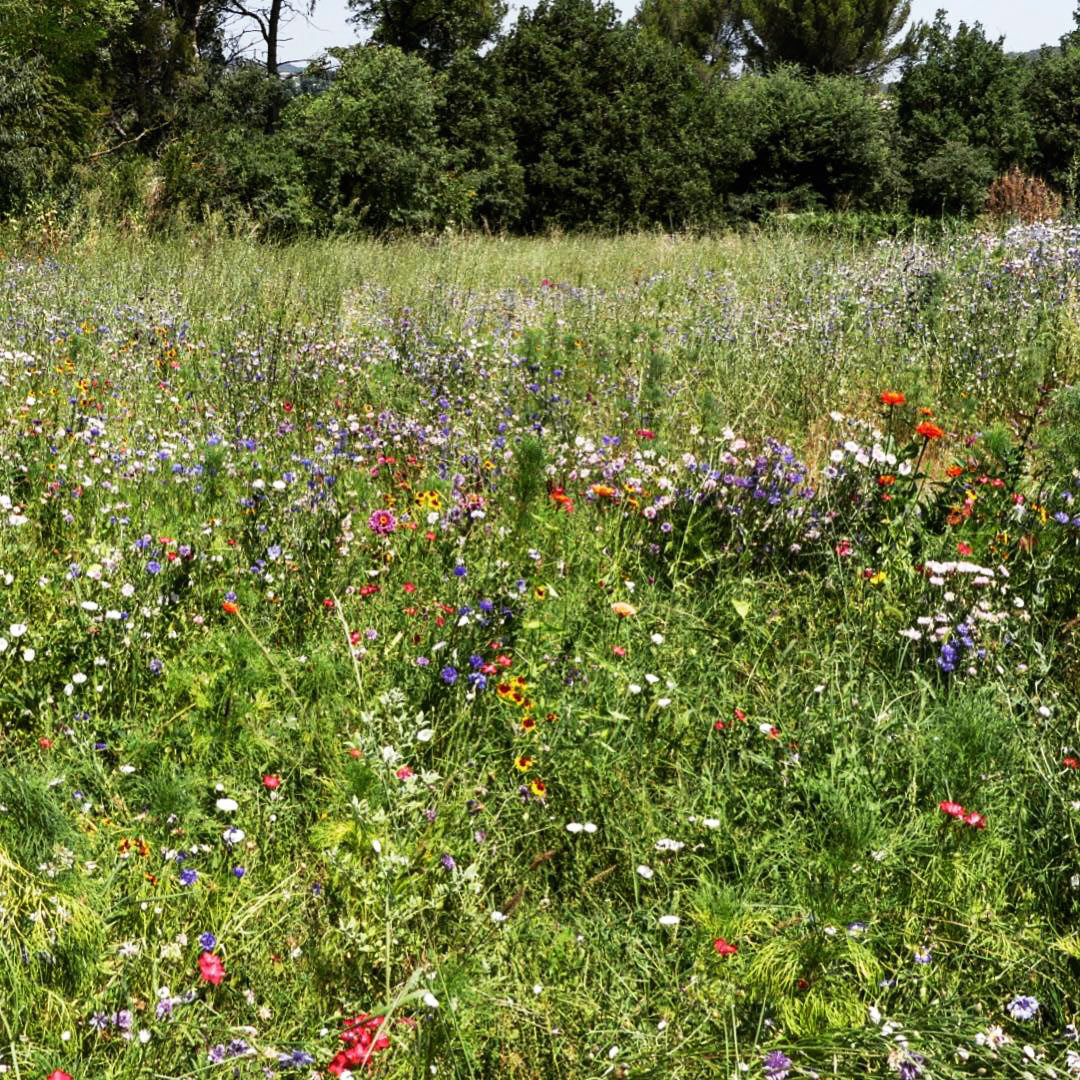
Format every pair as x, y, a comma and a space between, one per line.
474, 125
608, 120
1053, 101
962, 116
370, 143
821, 143
437, 30
707, 29
828, 37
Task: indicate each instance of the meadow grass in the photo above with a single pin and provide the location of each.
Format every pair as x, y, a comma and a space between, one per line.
556, 650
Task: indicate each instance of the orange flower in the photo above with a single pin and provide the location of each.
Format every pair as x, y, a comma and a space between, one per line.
892, 397
953, 471
229, 607
886, 481
602, 491
929, 431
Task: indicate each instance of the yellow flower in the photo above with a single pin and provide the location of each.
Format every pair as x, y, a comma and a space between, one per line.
523, 763
879, 578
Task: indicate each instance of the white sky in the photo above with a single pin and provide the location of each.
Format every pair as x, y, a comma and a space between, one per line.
1023, 25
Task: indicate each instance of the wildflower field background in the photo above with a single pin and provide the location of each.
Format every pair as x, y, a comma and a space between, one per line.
647, 657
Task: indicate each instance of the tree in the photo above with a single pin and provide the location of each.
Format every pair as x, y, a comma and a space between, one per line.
828, 37
268, 20
814, 143
962, 115
370, 142
1053, 100
707, 29
607, 120
435, 29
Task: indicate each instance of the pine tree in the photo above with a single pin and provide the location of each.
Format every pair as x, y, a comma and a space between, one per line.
828, 37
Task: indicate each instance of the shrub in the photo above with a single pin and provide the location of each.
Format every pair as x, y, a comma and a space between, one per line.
1015, 196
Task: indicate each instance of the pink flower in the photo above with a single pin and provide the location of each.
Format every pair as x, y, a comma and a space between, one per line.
211, 968
725, 948
953, 809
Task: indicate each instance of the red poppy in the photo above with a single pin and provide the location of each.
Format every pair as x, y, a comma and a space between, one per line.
975, 820
328, 603
739, 714
892, 397
725, 948
1071, 763
45, 742
929, 431
963, 549
719, 725
409, 587
211, 969
58, 1074
271, 781
953, 809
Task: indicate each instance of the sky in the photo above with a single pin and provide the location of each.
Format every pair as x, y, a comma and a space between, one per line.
1023, 25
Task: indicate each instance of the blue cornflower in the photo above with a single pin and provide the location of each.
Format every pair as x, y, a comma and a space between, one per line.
477, 680
156, 666
99, 1021
449, 675
153, 567
476, 662
188, 876
238, 871
207, 940
460, 570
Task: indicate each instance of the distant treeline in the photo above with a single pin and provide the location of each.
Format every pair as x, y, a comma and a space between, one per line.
694, 113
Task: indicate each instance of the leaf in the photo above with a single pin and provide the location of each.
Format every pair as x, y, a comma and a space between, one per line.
742, 607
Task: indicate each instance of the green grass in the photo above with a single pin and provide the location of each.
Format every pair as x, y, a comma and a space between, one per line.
758, 749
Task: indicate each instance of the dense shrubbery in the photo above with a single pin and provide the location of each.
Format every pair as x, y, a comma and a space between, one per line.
572, 120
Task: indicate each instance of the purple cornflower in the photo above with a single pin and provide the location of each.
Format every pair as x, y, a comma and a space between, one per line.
1022, 1007
910, 1067
99, 1021
188, 876
776, 1065
422, 661
449, 675
122, 1019
153, 567
922, 955
447, 861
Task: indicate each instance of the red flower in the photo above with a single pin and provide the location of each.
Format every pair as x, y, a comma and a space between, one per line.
739, 714
1071, 763
58, 1074
843, 548
953, 809
45, 742
719, 725
725, 948
619, 650
229, 607
963, 549
976, 821
211, 969
271, 781
409, 587
404, 773
929, 431
892, 397
645, 433
328, 603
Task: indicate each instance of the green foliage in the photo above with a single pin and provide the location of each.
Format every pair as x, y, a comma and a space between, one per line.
474, 126
962, 115
707, 29
370, 145
437, 30
828, 37
1053, 99
808, 143
608, 121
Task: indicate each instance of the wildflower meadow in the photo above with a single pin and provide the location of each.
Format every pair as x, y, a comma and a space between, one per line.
638, 657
